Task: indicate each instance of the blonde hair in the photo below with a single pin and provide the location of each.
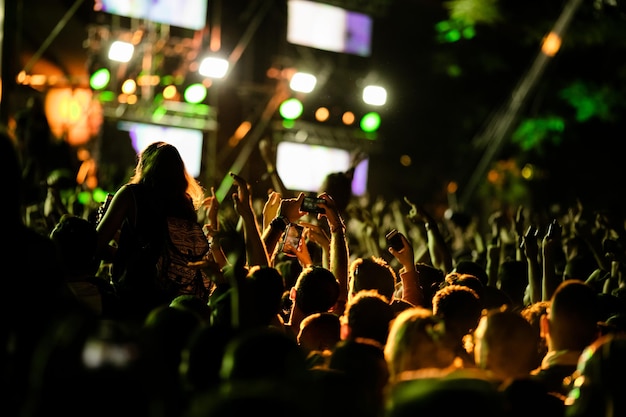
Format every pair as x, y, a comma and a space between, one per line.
161, 167
417, 340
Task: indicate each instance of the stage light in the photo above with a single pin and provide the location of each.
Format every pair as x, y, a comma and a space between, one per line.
551, 44
100, 79
195, 93
322, 114
213, 67
121, 51
129, 86
291, 109
348, 118
370, 122
374, 95
303, 82
170, 92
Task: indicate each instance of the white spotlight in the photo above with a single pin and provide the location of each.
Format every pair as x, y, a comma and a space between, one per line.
375, 95
121, 51
213, 67
303, 82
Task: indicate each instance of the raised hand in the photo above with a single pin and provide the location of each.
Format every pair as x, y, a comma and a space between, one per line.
315, 233
405, 255
270, 208
530, 243
242, 198
416, 213
290, 208
335, 222
211, 207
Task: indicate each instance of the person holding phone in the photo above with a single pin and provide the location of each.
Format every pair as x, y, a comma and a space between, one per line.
293, 238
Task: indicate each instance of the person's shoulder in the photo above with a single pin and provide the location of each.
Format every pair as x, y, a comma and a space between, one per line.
125, 194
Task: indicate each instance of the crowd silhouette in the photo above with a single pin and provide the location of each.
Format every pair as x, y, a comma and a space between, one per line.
527, 317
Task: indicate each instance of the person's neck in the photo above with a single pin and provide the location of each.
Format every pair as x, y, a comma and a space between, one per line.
295, 318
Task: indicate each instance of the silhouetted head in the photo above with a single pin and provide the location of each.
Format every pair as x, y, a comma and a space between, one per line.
573, 316
161, 168
372, 273
316, 290
368, 315
77, 241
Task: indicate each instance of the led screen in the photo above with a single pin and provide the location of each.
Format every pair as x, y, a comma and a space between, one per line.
303, 167
329, 28
189, 142
189, 14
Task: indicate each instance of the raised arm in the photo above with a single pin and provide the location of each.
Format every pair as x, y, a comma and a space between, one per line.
440, 254
212, 228
530, 247
550, 248
288, 212
255, 248
339, 254
122, 206
411, 289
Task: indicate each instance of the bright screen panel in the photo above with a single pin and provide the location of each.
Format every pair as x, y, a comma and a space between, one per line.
304, 167
189, 142
327, 27
189, 14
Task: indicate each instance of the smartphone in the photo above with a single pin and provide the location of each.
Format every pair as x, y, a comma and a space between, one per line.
292, 238
309, 204
394, 240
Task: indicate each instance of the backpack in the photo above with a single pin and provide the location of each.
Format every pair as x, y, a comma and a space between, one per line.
184, 242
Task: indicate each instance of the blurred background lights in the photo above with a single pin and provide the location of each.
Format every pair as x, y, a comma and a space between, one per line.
291, 109
322, 114
551, 44
121, 51
370, 122
170, 92
528, 171
302, 82
374, 95
195, 93
129, 86
348, 118
100, 79
213, 67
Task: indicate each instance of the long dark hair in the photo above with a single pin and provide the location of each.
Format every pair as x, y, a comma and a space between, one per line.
161, 168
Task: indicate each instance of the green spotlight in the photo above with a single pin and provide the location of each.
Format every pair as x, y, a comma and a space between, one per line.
84, 197
106, 96
195, 93
100, 79
469, 32
370, 122
291, 109
98, 195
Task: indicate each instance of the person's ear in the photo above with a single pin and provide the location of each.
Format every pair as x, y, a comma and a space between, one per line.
292, 294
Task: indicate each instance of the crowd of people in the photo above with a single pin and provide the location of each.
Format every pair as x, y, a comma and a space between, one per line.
527, 318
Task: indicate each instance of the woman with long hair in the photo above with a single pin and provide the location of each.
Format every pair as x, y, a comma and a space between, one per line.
133, 228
